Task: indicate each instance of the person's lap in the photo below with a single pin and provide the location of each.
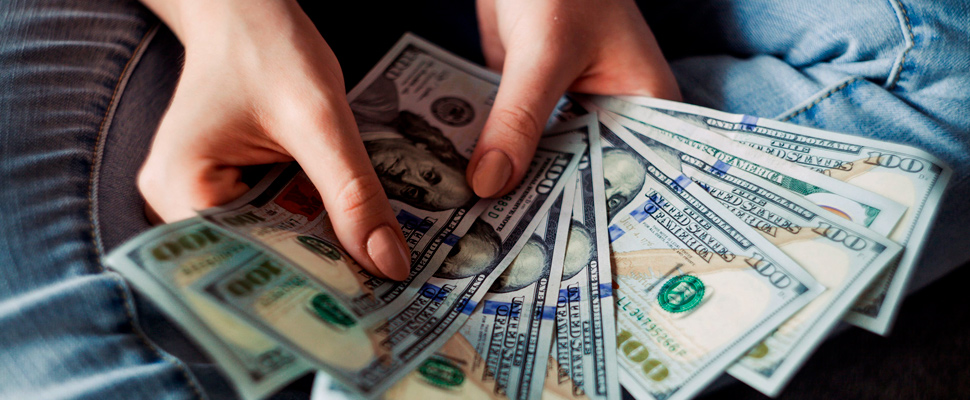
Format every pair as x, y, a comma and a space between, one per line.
83, 93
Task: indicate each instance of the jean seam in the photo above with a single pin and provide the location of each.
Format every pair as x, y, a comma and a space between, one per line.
911, 41
894, 73
828, 93
93, 181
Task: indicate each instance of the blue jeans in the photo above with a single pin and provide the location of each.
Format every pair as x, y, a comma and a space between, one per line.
83, 85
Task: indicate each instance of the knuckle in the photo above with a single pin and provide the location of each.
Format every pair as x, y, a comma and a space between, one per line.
148, 179
518, 124
360, 197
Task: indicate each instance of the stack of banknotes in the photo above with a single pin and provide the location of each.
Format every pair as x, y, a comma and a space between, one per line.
652, 246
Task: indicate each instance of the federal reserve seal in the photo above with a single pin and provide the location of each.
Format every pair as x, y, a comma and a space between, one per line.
453, 111
681, 293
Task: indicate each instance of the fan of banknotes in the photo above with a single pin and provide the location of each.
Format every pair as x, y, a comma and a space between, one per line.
652, 245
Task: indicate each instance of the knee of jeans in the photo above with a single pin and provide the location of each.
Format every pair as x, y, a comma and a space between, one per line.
867, 40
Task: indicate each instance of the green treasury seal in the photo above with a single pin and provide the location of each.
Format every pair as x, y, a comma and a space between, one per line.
320, 247
681, 293
441, 372
329, 311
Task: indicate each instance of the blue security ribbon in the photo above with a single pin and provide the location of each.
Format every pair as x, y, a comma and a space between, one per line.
411, 221
749, 122
615, 233
683, 181
720, 168
606, 290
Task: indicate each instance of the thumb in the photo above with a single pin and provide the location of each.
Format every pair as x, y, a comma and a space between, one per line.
330, 150
528, 92
193, 163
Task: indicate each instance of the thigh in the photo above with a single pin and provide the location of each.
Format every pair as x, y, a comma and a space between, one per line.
800, 33
67, 325
785, 51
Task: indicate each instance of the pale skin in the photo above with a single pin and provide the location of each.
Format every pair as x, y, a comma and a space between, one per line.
260, 85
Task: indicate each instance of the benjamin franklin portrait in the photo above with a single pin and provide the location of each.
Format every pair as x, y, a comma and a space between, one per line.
414, 160
475, 253
623, 176
579, 250
532, 263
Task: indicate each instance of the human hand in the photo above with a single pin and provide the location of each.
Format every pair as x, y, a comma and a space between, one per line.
543, 48
259, 86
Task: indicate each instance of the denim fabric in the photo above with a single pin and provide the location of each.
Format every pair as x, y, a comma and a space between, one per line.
83, 85
67, 326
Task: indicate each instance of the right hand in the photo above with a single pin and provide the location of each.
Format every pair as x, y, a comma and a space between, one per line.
543, 48
259, 86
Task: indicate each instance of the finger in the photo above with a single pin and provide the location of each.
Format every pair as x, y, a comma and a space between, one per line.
632, 75
189, 169
535, 75
630, 62
488, 29
175, 187
332, 154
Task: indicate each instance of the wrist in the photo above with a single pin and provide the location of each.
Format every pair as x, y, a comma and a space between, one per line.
203, 24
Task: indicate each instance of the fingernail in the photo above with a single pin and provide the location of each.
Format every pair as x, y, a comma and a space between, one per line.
389, 254
492, 173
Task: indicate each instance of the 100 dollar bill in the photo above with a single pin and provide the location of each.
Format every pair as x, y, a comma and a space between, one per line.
163, 262
695, 286
843, 256
853, 203
502, 349
583, 355
368, 355
497, 352
907, 175
284, 215
500, 353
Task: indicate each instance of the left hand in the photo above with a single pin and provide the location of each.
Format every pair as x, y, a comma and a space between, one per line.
543, 48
